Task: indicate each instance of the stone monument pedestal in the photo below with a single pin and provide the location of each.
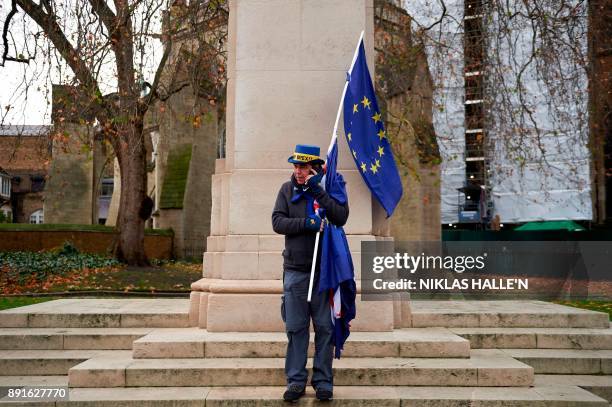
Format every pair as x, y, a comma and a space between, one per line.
284, 87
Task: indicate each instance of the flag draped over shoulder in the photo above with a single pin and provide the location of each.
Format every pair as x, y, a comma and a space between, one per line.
337, 272
371, 151
367, 138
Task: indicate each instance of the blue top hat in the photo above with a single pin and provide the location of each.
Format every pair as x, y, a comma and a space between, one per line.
306, 154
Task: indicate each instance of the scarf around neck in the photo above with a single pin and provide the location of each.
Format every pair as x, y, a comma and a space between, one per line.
302, 191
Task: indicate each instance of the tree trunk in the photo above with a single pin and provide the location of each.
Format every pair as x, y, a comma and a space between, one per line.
600, 105
132, 160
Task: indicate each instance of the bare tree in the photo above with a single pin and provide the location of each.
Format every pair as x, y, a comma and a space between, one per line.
116, 46
533, 98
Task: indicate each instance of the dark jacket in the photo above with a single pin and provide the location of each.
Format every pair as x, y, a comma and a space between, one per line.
288, 219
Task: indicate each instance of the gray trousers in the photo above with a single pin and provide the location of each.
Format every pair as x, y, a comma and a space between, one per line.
296, 313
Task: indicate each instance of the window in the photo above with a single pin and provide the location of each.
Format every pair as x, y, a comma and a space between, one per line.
38, 183
37, 217
6, 215
6, 187
107, 187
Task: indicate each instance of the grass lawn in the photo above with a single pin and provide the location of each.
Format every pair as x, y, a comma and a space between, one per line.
14, 302
602, 306
68, 270
168, 276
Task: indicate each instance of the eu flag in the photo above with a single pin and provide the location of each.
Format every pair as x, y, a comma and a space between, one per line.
367, 138
337, 271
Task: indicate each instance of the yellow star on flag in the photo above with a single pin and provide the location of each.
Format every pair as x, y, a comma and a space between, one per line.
366, 102
355, 107
373, 168
381, 134
377, 163
381, 151
376, 117
350, 137
354, 153
364, 167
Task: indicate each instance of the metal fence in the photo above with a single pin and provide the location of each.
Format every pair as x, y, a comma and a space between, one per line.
193, 247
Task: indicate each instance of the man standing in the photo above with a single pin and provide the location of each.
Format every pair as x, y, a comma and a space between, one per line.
295, 215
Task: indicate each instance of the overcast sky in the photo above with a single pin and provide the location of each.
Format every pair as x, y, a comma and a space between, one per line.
32, 104
26, 89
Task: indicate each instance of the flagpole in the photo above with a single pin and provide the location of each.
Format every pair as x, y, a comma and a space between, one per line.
331, 144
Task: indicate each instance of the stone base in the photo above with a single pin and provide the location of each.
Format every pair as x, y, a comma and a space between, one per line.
254, 306
253, 257
415, 366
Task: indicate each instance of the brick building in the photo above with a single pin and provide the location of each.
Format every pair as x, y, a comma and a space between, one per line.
25, 152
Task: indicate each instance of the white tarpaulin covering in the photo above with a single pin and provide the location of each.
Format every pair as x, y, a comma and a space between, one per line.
537, 127
444, 48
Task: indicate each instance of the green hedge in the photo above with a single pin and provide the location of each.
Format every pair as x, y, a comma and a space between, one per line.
75, 227
540, 235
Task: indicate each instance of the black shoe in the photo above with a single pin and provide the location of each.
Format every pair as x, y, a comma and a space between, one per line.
293, 393
324, 395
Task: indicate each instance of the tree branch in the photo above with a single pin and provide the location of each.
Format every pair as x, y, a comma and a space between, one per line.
69, 54
106, 15
439, 21
5, 31
158, 74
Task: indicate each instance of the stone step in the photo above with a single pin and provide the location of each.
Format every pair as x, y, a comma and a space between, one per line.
565, 361
17, 381
49, 362
70, 338
174, 312
363, 396
532, 338
100, 313
484, 368
198, 343
503, 314
598, 385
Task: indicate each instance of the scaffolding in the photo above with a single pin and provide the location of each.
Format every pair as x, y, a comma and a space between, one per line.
476, 206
